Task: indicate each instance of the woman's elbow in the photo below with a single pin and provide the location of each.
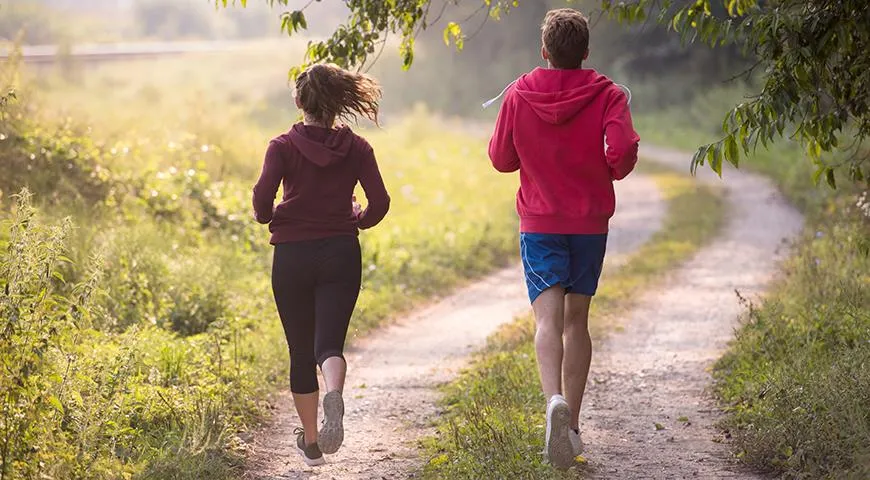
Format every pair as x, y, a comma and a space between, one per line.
383, 206
263, 213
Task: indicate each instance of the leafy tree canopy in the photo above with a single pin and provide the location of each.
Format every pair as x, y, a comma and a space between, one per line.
809, 55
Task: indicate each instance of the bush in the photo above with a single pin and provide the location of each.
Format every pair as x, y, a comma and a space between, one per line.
81, 402
44, 431
797, 375
58, 164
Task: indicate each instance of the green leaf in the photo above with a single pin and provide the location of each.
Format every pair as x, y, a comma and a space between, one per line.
829, 177
716, 163
698, 158
817, 175
731, 152
453, 31
54, 402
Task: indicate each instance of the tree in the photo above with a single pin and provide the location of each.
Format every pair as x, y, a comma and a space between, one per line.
370, 23
810, 56
815, 74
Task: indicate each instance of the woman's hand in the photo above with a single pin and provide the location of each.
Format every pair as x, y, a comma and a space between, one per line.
357, 209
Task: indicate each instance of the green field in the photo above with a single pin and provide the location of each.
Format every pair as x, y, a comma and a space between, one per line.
139, 337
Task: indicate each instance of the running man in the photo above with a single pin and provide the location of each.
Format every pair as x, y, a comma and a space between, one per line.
552, 127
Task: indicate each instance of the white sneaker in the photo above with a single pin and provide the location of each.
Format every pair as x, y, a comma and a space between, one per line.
557, 443
576, 441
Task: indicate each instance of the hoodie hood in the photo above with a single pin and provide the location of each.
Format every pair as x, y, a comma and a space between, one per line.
321, 146
556, 96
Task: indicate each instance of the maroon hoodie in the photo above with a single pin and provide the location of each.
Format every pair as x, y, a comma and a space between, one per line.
552, 127
319, 168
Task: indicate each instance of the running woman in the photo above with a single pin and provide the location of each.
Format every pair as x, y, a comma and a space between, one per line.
317, 265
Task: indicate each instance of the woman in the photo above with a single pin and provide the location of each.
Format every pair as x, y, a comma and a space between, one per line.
317, 267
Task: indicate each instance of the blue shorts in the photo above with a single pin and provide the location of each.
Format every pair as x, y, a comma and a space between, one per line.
573, 262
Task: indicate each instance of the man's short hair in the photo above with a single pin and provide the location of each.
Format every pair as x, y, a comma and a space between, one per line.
565, 34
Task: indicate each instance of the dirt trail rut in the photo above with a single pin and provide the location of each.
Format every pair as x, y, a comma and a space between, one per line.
656, 370
390, 397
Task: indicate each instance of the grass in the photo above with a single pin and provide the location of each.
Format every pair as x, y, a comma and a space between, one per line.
138, 336
795, 379
493, 427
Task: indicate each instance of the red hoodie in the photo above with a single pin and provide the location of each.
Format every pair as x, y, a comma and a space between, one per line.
552, 128
319, 168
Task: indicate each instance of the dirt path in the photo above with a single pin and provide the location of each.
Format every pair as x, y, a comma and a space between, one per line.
391, 393
656, 370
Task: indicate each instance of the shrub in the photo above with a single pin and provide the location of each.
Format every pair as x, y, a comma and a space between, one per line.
797, 375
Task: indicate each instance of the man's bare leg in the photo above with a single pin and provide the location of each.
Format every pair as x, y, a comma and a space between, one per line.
549, 310
578, 352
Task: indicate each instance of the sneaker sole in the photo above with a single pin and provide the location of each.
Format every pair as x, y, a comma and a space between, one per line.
311, 462
560, 452
579, 448
332, 433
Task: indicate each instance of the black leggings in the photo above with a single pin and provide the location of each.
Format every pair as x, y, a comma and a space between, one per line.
316, 284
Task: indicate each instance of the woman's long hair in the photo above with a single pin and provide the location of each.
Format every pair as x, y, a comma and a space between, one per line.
327, 92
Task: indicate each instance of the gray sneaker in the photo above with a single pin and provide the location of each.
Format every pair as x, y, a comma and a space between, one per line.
311, 454
557, 443
332, 430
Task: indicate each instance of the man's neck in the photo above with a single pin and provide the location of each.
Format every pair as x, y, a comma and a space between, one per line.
551, 67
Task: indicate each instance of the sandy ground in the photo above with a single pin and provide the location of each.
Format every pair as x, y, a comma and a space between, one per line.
393, 373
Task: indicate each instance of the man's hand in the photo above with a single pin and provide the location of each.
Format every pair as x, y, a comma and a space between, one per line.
357, 209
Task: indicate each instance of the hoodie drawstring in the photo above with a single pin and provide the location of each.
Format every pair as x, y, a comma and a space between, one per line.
495, 99
627, 92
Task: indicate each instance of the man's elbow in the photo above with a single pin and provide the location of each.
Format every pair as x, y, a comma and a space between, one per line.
622, 160
511, 165
507, 168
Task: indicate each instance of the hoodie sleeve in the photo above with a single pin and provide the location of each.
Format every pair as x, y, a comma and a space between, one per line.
376, 192
502, 151
267, 185
622, 140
